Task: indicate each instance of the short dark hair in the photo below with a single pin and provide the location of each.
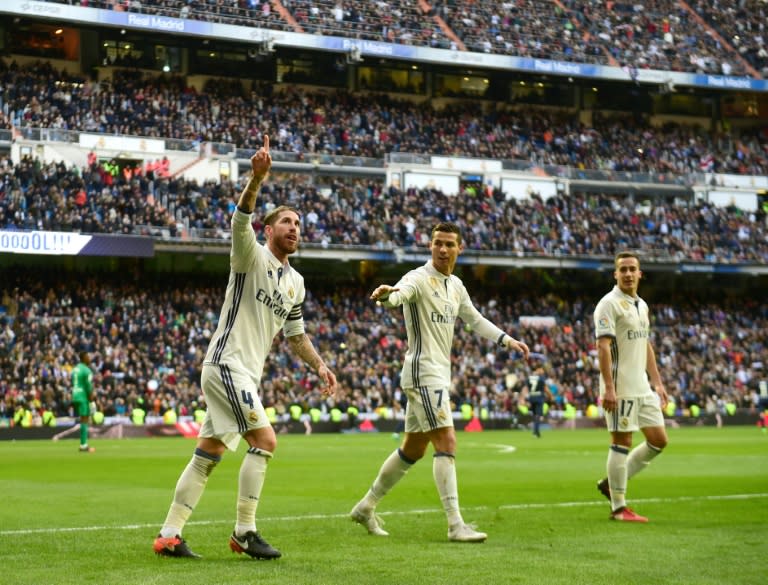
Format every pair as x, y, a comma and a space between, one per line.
625, 254
272, 216
448, 228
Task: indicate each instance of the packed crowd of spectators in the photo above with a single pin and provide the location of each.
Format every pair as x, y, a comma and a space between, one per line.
656, 35
743, 25
343, 123
391, 22
540, 29
148, 338
254, 13
661, 34
363, 212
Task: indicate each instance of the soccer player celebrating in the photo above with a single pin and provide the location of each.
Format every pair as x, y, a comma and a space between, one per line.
625, 354
432, 298
264, 295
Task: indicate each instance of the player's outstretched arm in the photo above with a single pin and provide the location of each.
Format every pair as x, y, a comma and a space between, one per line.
518, 346
261, 162
303, 348
381, 292
382, 296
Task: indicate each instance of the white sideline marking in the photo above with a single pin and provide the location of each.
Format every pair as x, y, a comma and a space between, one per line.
504, 448
400, 513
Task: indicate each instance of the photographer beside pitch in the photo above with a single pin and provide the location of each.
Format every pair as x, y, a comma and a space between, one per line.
264, 295
432, 299
625, 354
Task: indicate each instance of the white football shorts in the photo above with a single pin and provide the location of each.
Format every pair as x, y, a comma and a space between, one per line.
234, 406
634, 413
427, 409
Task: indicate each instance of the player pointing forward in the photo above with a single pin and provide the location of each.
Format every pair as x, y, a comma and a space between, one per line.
432, 299
264, 295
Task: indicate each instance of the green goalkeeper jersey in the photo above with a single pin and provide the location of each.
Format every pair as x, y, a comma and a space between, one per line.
82, 383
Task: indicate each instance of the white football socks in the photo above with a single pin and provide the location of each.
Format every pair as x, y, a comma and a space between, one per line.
617, 475
250, 482
640, 457
189, 489
392, 470
444, 473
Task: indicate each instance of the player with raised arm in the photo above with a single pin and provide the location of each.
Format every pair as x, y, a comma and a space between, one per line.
264, 296
432, 298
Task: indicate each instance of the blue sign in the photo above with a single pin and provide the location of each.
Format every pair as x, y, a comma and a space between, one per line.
74, 244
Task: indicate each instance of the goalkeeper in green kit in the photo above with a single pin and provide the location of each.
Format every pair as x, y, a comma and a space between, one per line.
82, 390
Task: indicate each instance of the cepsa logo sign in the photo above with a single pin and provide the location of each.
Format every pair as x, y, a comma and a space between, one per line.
40, 8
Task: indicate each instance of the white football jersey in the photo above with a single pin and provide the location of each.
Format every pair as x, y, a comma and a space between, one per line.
431, 304
625, 320
262, 297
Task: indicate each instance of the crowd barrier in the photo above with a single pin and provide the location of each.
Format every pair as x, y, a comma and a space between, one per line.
188, 429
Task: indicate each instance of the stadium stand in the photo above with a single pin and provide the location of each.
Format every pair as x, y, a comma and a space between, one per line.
742, 25
363, 213
133, 102
149, 339
662, 34
149, 332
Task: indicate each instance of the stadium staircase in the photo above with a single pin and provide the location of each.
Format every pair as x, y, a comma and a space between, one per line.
72, 154
426, 7
286, 15
716, 35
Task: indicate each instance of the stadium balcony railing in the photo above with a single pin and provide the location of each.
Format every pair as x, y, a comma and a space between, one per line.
317, 158
335, 161
217, 240
37, 134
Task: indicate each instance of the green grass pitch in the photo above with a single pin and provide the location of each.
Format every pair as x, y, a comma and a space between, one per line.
72, 518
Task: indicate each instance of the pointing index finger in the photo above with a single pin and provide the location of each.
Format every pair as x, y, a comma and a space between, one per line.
266, 143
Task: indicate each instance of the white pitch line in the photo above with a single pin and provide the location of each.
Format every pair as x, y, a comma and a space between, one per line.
395, 513
504, 448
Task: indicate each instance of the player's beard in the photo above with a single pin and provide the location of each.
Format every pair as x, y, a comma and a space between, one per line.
287, 246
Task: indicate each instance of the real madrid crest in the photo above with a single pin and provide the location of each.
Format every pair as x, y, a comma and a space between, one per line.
291, 292
253, 416
624, 423
624, 305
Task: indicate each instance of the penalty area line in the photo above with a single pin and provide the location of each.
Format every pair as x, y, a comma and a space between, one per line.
529, 506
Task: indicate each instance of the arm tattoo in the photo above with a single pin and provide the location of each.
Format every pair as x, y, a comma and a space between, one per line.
303, 348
